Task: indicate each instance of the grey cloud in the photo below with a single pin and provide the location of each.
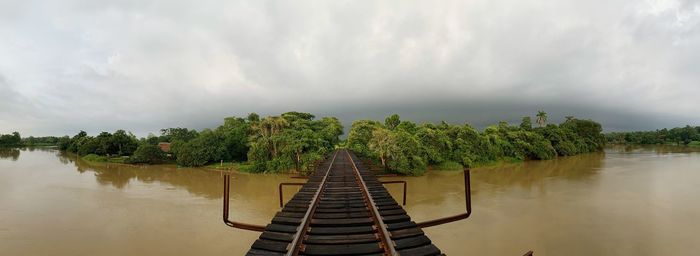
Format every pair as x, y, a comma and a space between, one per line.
142, 66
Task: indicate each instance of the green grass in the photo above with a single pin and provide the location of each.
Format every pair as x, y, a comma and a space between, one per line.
95, 158
41, 145
104, 159
694, 144
242, 167
118, 159
448, 166
500, 162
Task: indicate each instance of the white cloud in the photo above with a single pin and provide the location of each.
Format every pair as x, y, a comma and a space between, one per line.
145, 65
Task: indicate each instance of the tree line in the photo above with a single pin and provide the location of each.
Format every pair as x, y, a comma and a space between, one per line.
292, 140
679, 136
11, 140
296, 140
408, 148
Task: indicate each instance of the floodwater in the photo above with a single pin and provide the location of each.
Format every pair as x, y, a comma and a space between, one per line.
626, 201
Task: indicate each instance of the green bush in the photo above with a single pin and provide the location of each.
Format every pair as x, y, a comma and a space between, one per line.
95, 158
207, 147
147, 154
407, 148
449, 165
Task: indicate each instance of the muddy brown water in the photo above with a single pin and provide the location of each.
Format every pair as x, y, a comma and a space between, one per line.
626, 201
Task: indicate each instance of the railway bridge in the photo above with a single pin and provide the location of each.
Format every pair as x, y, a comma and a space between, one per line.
343, 209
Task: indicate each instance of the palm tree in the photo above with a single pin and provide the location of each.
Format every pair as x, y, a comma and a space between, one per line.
541, 118
268, 127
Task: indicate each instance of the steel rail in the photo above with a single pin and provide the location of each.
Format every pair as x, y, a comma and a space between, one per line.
304, 225
387, 243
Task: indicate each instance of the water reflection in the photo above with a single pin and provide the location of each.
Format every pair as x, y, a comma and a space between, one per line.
532, 173
651, 149
197, 181
9, 153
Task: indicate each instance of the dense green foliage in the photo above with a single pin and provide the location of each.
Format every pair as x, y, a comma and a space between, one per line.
40, 141
147, 154
10, 140
296, 140
291, 140
407, 148
120, 143
205, 148
679, 135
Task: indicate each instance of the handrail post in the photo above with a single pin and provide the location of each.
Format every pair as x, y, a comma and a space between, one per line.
227, 181
467, 201
468, 191
234, 224
281, 195
396, 182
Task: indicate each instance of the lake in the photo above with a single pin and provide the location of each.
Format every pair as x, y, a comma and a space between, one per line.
625, 201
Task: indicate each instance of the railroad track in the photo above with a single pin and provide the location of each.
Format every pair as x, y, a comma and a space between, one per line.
342, 210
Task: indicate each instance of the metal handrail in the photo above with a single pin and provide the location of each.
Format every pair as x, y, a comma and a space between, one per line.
235, 224
468, 202
287, 184
398, 182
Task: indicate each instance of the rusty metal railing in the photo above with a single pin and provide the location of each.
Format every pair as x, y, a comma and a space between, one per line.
398, 182
235, 224
468, 202
286, 184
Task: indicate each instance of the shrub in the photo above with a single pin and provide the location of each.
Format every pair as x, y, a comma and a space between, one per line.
95, 158
201, 150
147, 154
449, 165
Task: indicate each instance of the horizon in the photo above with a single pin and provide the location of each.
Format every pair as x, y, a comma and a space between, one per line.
346, 126
74, 65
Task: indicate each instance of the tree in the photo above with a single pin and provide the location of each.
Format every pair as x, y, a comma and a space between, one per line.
293, 115
292, 140
148, 154
392, 122
267, 129
207, 147
360, 134
408, 157
436, 144
253, 117
526, 123
173, 134
10, 140
383, 144
331, 129
235, 133
123, 144
541, 118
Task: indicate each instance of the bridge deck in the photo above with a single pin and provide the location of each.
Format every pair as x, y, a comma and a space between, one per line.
342, 210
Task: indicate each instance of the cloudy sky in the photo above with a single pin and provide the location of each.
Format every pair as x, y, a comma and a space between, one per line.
144, 65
